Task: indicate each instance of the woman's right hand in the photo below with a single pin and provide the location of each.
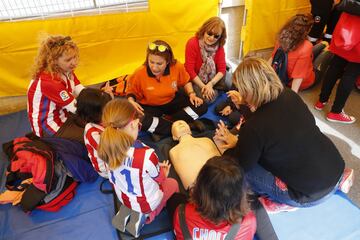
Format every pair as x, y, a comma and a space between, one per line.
223, 138
137, 106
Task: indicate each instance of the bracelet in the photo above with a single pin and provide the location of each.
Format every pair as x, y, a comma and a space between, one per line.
192, 92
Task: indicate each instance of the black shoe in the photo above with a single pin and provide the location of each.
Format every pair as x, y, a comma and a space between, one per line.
198, 126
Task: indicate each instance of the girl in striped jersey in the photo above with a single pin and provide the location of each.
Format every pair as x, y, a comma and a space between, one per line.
140, 181
90, 104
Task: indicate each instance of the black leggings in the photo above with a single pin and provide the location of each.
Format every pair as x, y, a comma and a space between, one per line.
348, 73
180, 108
321, 11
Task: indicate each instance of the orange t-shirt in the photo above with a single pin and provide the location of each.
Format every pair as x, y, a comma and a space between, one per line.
150, 91
300, 64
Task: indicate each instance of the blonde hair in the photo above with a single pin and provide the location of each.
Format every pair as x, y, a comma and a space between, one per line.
257, 81
210, 24
52, 48
114, 141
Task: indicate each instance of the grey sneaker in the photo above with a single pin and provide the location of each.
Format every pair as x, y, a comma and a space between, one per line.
137, 221
121, 218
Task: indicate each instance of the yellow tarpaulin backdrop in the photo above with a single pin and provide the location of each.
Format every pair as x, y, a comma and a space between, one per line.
265, 18
110, 45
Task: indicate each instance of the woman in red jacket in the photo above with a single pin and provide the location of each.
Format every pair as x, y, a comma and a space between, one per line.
205, 59
345, 65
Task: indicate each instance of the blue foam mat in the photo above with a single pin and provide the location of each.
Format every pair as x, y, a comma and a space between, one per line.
336, 218
89, 215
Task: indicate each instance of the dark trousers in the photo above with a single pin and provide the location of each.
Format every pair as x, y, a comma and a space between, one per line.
332, 21
73, 129
180, 108
321, 11
348, 73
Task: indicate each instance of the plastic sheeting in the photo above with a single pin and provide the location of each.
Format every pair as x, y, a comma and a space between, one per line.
265, 18
110, 45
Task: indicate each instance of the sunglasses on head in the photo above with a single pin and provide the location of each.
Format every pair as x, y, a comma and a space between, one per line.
160, 47
211, 34
61, 42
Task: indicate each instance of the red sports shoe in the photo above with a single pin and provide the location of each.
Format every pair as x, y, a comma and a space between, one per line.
340, 118
319, 105
274, 207
347, 180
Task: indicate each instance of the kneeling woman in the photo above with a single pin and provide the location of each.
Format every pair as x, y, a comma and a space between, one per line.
284, 154
154, 91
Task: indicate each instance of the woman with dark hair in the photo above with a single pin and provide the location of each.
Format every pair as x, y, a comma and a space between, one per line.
205, 59
153, 91
292, 39
218, 202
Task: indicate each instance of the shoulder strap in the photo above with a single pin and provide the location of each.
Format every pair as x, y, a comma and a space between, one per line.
183, 225
234, 229
103, 189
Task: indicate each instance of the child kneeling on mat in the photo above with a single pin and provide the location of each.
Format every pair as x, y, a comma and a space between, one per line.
140, 181
218, 204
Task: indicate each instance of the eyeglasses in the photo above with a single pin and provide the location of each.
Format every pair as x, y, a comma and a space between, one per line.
61, 42
211, 34
160, 47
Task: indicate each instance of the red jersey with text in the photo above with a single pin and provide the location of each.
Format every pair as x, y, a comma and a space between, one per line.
203, 229
92, 138
150, 91
50, 98
134, 180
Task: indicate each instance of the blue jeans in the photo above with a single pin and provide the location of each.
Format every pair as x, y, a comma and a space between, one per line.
263, 183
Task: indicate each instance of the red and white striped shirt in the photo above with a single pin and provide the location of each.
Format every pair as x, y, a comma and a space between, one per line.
134, 180
50, 99
92, 138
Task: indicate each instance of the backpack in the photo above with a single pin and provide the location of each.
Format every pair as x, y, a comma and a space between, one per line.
119, 85
280, 63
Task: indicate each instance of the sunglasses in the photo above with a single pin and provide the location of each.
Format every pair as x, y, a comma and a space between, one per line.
211, 34
61, 42
160, 47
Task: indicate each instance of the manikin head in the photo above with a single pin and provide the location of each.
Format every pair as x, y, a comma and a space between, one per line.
179, 129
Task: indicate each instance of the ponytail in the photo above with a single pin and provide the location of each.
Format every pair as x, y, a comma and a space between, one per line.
113, 146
